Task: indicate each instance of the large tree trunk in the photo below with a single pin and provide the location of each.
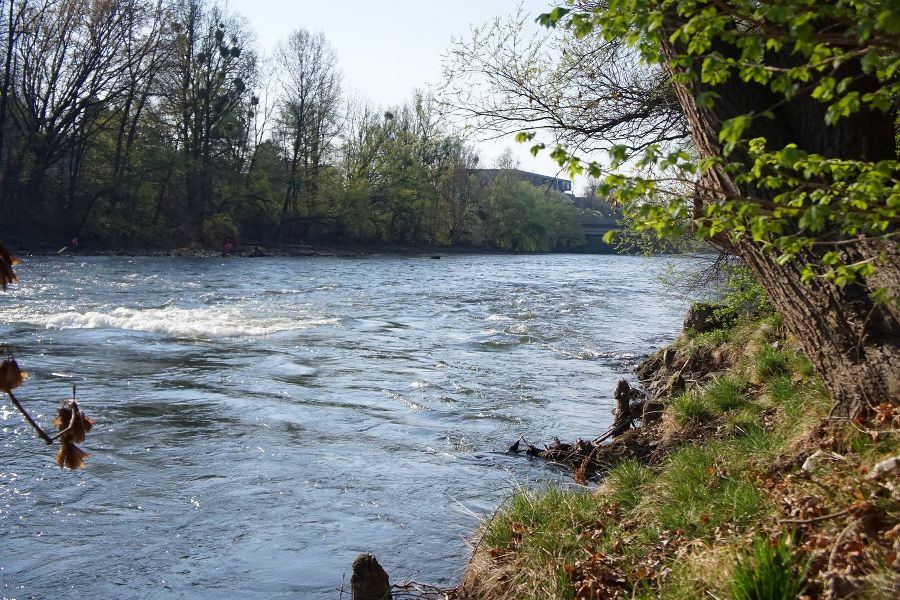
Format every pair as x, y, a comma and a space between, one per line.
852, 341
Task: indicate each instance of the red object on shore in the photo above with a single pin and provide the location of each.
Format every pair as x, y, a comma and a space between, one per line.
74, 243
229, 245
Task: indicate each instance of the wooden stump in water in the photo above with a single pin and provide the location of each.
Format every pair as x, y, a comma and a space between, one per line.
369, 580
622, 421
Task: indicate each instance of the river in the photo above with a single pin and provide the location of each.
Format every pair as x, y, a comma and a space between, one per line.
259, 422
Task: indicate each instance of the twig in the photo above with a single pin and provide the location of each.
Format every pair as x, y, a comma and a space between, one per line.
839, 541
43, 435
840, 513
71, 423
74, 409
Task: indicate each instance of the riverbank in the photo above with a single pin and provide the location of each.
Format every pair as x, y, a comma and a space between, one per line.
264, 249
743, 487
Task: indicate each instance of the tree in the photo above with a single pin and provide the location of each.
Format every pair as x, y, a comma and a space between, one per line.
66, 76
793, 167
208, 94
586, 92
308, 123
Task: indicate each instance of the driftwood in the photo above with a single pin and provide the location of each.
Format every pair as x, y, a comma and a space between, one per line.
588, 458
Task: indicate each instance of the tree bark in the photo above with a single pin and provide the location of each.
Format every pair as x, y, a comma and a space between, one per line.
852, 341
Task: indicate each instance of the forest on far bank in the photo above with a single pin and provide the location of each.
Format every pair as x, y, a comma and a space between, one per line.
156, 124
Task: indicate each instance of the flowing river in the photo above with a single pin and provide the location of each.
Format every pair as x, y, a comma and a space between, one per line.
259, 422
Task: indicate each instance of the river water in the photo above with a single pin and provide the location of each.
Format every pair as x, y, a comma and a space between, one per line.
259, 422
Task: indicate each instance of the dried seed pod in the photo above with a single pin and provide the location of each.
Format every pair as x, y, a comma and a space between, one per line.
11, 376
7, 262
70, 455
73, 426
74, 422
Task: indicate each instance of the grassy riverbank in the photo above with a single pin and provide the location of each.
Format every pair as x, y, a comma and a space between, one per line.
750, 491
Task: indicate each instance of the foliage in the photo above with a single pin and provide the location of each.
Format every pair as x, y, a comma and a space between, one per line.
790, 199
165, 128
743, 298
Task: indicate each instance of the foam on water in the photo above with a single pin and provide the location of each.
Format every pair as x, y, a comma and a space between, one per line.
199, 323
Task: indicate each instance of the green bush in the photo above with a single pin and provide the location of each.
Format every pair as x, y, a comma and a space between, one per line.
769, 571
218, 228
744, 299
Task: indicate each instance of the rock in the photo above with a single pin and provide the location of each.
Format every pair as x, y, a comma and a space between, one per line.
886, 473
653, 410
702, 317
675, 385
369, 580
885, 467
819, 457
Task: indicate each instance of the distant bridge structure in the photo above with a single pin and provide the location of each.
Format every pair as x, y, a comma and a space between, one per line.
596, 216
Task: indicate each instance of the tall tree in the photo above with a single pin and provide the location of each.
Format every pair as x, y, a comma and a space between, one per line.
309, 116
68, 74
795, 170
210, 80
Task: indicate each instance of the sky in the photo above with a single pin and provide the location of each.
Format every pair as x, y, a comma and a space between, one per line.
388, 49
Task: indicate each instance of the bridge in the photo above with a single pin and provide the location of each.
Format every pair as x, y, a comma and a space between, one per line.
595, 225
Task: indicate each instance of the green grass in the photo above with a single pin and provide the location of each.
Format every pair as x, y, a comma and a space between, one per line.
698, 407
549, 517
691, 408
626, 482
716, 337
768, 571
771, 362
543, 531
756, 443
784, 392
727, 393
704, 486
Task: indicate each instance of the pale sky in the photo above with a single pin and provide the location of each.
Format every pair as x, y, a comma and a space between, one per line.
387, 49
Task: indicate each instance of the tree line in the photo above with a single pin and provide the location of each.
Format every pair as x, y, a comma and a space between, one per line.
137, 123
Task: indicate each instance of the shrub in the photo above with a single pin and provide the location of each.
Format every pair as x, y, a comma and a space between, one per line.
217, 228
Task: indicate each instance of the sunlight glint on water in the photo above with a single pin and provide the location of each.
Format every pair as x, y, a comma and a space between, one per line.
260, 422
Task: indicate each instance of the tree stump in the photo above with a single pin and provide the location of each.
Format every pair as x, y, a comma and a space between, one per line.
622, 421
369, 580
